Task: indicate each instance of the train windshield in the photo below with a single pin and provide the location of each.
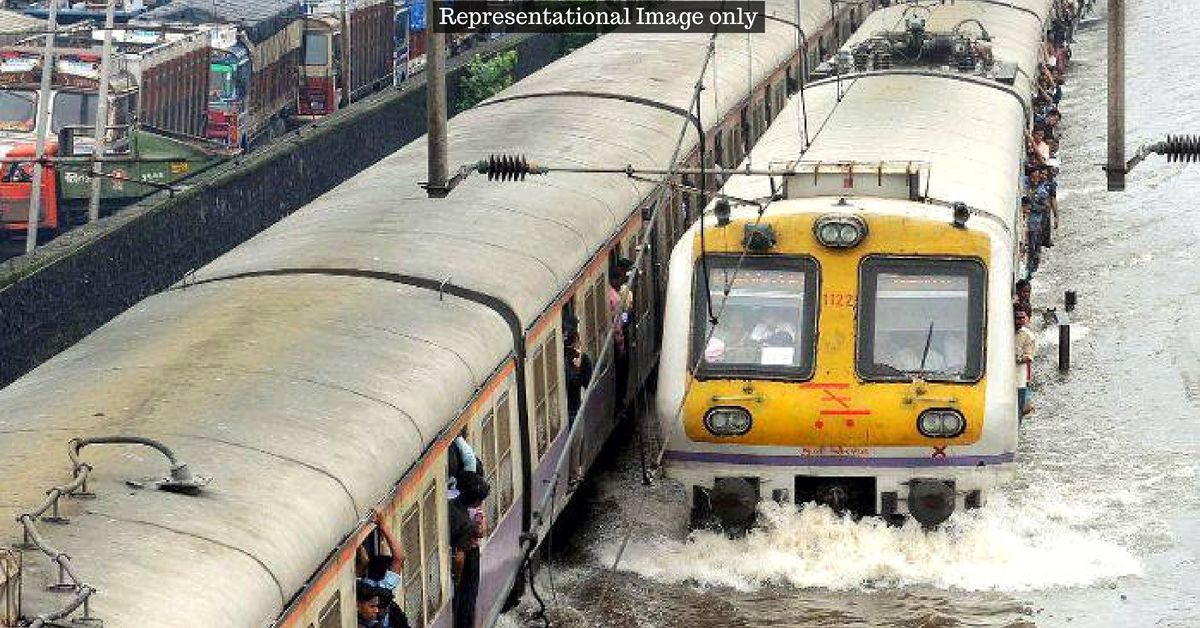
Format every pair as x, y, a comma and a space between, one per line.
921, 318
765, 326
18, 111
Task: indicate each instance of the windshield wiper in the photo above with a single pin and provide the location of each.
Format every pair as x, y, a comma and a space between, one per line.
925, 352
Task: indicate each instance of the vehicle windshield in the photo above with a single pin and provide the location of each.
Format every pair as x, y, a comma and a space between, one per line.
921, 318
765, 327
18, 111
316, 48
221, 85
73, 109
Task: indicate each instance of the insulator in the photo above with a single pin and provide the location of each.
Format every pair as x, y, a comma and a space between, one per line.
507, 168
1185, 148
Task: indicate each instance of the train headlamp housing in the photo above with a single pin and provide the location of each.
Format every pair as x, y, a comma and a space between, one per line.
727, 421
941, 423
840, 232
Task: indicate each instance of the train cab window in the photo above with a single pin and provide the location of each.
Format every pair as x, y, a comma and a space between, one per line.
921, 317
766, 328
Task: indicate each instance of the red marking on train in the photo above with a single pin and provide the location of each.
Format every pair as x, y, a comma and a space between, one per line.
821, 386
820, 424
939, 452
829, 394
849, 422
846, 412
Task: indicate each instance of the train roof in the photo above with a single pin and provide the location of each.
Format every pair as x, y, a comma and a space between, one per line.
1013, 27
259, 19
307, 396
524, 240
973, 158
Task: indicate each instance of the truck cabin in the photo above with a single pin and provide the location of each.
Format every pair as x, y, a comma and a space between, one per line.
74, 97
320, 90
228, 93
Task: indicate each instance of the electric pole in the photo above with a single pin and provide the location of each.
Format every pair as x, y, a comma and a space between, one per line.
42, 122
100, 137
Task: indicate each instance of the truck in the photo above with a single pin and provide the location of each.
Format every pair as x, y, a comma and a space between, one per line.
347, 54
157, 98
253, 77
78, 11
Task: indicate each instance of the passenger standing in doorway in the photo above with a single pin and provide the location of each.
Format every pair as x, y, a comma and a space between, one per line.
462, 460
618, 309
578, 373
467, 528
1026, 348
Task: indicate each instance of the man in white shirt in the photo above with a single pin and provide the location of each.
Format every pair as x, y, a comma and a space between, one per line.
1026, 348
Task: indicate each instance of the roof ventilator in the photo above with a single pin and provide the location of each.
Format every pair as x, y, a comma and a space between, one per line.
179, 480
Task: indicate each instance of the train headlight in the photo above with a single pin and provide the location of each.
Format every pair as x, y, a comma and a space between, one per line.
727, 421
840, 232
941, 423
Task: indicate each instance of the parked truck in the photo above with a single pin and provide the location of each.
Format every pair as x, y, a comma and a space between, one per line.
254, 73
157, 98
347, 54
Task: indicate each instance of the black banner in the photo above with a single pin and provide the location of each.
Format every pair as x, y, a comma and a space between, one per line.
569, 16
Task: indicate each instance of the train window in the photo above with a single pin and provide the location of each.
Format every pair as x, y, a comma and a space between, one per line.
921, 317
583, 315
600, 317
487, 446
538, 366
554, 375
504, 453
331, 613
410, 538
433, 554
767, 324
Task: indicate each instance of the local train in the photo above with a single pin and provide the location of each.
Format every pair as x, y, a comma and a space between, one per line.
317, 373
839, 327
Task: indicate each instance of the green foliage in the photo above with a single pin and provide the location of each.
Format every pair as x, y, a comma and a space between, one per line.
570, 42
484, 78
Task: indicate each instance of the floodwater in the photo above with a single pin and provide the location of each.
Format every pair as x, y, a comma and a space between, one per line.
1101, 526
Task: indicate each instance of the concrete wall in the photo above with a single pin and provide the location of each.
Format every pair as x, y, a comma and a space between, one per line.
83, 279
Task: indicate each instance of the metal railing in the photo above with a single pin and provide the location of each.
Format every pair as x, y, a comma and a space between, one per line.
180, 480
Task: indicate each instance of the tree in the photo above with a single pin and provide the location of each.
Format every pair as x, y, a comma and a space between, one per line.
484, 78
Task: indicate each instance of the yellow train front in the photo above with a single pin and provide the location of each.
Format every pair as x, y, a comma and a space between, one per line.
862, 353
861, 359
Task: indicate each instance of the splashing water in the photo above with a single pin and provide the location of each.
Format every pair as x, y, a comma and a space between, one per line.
1000, 547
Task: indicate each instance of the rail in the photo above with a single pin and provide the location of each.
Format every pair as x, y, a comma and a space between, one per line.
180, 480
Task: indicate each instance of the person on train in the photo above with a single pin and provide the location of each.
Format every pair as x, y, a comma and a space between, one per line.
383, 570
369, 599
619, 305
577, 367
774, 330
1023, 300
468, 526
729, 340
1026, 348
1034, 215
461, 459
